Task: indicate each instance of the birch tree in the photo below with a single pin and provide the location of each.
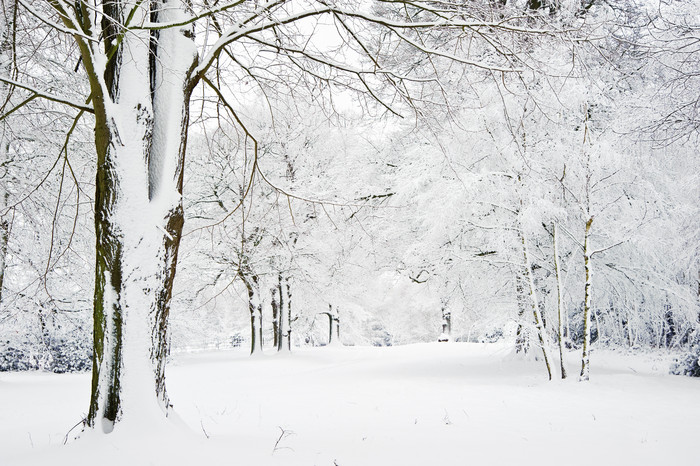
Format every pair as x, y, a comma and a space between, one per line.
7, 19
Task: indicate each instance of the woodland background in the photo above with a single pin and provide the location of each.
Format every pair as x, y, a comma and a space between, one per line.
401, 223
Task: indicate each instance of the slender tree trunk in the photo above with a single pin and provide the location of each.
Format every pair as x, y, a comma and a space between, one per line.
628, 330
289, 315
333, 326
141, 118
670, 331
4, 237
7, 22
522, 342
261, 340
586, 353
560, 300
44, 359
541, 332
446, 334
253, 320
330, 326
255, 308
282, 343
336, 318
275, 317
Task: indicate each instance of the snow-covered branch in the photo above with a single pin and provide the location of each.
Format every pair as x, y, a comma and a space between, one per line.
46, 95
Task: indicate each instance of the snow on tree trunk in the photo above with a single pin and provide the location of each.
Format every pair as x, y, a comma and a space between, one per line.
560, 300
287, 343
283, 324
539, 325
284, 313
259, 314
446, 334
586, 352
333, 326
4, 225
7, 19
255, 308
141, 101
522, 341
275, 318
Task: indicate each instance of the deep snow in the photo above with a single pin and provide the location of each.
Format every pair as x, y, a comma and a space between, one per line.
423, 404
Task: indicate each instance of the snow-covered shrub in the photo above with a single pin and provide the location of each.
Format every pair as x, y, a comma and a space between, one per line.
379, 336
68, 353
70, 356
492, 336
688, 364
14, 359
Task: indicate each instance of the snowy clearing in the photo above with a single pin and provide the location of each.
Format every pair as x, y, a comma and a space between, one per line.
423, 404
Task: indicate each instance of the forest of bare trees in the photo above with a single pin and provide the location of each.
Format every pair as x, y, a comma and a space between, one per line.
180, 174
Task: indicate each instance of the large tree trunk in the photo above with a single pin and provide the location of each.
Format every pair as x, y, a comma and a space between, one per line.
141, 102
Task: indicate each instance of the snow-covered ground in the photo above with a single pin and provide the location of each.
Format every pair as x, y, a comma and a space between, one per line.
425, 404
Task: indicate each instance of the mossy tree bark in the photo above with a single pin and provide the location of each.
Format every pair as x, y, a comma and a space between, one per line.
141, 83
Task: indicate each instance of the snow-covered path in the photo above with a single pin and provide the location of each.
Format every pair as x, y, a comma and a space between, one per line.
427, 404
